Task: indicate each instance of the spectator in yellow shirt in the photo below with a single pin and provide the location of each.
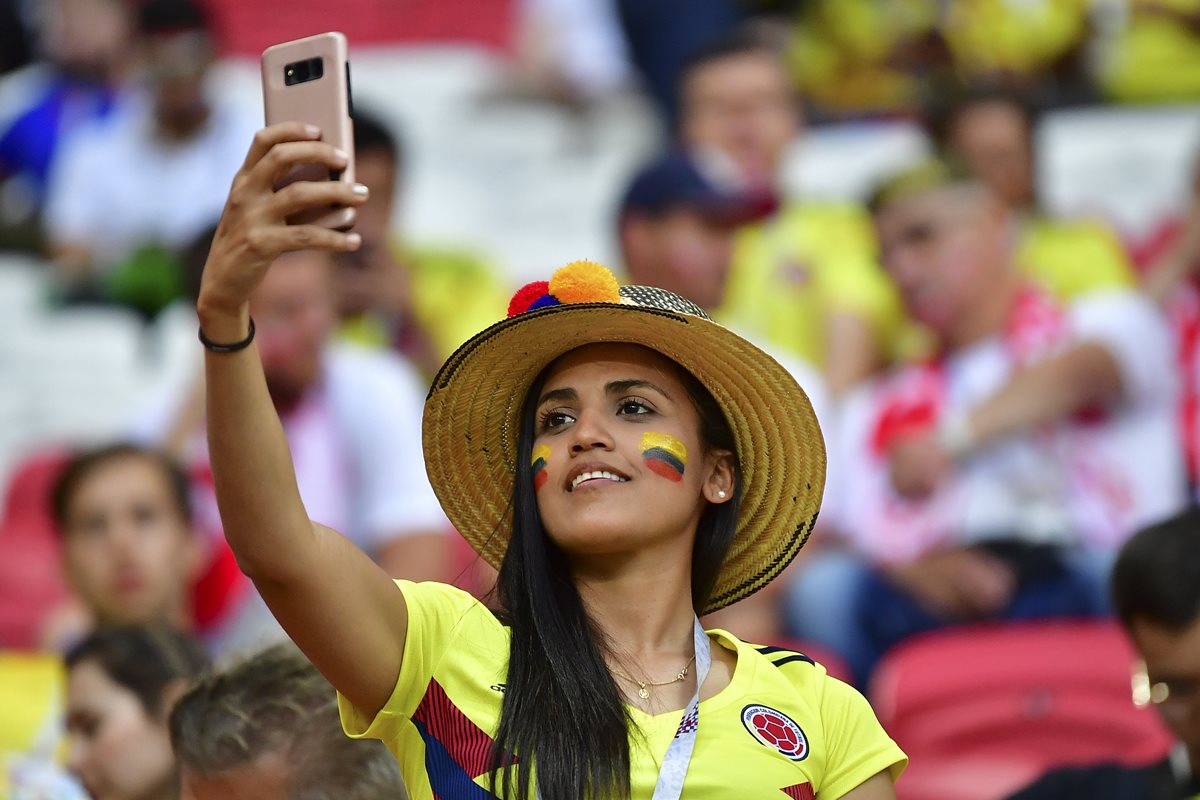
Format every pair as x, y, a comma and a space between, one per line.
992, 132
425, 302
854, 57
1153, 57
805, 280
1023, 44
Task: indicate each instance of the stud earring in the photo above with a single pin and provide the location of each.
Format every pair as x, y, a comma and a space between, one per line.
721, 494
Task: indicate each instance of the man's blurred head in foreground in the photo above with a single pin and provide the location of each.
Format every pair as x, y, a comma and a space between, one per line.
268, 729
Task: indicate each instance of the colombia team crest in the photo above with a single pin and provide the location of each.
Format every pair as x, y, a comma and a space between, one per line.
776, 730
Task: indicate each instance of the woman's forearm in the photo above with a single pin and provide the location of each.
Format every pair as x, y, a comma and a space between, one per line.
261, 509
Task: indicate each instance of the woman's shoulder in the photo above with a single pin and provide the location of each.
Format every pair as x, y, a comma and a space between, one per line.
443, 606
789, 675
800, 665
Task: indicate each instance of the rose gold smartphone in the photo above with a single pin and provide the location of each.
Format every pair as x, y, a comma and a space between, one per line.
308, 80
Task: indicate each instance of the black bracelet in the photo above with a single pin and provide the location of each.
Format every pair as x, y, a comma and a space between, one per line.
228, 348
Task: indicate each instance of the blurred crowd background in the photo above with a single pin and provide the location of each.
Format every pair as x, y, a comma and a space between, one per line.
971, 229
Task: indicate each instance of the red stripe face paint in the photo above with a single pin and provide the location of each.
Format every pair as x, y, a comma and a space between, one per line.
541, 456
664, 455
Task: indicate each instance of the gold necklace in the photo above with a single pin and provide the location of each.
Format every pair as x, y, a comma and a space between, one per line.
642, 691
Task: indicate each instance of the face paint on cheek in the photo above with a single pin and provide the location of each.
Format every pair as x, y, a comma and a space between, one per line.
664, 455
541, 455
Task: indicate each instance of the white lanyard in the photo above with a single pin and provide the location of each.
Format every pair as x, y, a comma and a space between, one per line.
679, 754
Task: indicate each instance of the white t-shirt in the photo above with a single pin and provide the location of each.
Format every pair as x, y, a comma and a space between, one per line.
1090, 480
117, 186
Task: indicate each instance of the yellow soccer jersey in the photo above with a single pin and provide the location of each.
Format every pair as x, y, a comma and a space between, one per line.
454, 295
1073, 258
781, 728
790, 273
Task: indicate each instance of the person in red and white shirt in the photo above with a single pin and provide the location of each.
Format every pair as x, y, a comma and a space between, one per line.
997, 478
352, 420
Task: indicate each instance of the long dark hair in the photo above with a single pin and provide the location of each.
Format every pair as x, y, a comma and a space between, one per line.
560, 703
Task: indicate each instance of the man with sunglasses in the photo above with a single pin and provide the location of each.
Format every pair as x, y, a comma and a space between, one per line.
1156, 590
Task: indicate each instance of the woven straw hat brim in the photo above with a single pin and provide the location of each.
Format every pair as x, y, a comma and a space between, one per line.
472, 423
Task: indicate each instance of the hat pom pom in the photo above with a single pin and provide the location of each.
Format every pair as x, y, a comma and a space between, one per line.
545, 301
527, 296
585, 282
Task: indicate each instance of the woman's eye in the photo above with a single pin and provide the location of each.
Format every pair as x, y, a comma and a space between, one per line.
633, 407
555, 419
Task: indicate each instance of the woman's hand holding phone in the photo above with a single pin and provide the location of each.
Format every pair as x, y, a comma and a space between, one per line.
253, 230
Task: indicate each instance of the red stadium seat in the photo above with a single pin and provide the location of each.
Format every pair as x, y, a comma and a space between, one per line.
982, 711
31, 582
245, 27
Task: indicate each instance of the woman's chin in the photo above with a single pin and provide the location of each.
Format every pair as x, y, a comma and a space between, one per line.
604, 536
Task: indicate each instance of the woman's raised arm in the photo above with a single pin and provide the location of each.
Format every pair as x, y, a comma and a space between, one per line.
336, 604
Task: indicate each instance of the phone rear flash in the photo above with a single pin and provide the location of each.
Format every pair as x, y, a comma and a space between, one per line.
303, 71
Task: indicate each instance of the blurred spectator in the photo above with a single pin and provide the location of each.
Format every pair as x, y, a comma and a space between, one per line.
992, 131
268, 728
998, 479
424, 302
804, 281
677, 223
1156, 590
352, 417
129, 552
88, 46
133, 189
121, 685
572, 51
1145, 57
857, 57
662, 36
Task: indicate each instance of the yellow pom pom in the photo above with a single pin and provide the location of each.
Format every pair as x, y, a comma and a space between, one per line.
585, 282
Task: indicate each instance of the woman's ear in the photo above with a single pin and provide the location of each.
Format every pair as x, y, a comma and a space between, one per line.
719, 480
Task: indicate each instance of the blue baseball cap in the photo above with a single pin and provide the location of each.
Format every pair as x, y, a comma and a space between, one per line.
679, 181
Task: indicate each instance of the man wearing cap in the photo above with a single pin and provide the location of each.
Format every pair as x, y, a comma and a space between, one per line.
997, 479
677, 224
131, 190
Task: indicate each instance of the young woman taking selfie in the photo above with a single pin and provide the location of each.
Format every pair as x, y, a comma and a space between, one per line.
626, 464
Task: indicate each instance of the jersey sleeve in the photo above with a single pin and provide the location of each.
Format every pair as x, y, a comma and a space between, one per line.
857, 745
435, 612
1131, 328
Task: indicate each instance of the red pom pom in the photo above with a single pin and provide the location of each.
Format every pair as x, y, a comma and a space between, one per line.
526, 296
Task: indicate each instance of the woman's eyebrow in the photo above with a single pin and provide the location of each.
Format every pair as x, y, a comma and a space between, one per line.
564, 394
620, 387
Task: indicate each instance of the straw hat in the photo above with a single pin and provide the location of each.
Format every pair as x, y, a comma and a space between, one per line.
472, 415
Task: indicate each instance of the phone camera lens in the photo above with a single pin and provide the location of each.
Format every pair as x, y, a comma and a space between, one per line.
303, 71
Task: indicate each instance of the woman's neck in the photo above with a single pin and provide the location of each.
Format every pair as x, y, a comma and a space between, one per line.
642, 602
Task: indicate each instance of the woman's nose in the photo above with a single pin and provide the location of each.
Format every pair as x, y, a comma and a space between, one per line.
590, 433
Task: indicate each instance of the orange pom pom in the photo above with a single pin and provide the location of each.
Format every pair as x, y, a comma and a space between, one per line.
585, 282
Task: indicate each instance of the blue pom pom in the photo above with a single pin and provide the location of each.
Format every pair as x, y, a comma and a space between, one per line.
545, 301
